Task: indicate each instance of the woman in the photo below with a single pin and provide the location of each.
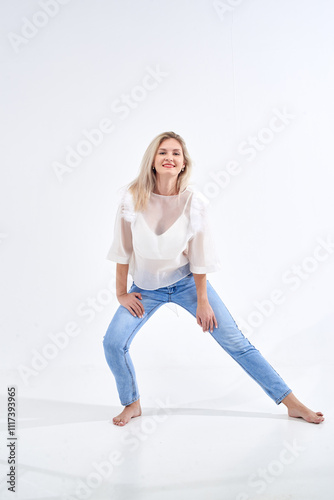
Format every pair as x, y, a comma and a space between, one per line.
162, 238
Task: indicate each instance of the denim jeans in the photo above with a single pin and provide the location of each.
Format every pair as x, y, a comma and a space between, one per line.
124, 326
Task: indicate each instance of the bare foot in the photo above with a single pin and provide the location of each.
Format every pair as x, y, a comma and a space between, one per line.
130, 411
298, 410
306, 414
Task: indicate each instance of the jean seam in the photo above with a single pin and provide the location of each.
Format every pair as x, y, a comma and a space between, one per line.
126, 347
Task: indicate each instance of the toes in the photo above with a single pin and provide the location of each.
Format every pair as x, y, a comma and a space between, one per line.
118, 421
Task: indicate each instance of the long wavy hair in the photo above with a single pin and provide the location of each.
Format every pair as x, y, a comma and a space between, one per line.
145, 181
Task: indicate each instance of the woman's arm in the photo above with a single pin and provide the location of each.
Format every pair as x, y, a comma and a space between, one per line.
204, 314
131, 301
200, 282
121, 279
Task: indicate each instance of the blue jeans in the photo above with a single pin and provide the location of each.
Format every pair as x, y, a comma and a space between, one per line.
124, 326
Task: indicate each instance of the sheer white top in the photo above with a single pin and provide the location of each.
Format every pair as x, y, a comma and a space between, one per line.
167, 241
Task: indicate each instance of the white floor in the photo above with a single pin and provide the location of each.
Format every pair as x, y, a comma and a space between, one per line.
238, 446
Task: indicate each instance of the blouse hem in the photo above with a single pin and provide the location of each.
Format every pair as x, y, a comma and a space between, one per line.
116, 258
205, 270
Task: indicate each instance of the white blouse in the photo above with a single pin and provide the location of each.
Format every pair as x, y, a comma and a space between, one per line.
167, 241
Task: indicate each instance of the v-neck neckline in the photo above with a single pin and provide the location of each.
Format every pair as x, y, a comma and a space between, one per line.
170, 227
175, 222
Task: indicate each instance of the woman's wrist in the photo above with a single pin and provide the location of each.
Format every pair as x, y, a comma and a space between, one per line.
202, 300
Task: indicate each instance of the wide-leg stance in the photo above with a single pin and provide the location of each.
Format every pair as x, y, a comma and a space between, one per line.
124, 326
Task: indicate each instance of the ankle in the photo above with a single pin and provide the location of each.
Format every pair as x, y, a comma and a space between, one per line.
291, 401
135, 403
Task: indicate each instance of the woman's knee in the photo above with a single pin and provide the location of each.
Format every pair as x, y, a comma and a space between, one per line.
233, 340
119, 336
114, 351
113, 342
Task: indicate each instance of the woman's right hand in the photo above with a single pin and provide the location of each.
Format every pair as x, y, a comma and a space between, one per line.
132, 303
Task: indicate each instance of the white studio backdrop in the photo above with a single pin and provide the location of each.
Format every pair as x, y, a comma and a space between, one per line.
85, 87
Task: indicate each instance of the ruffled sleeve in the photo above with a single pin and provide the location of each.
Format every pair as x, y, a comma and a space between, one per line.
201, 246
121, 248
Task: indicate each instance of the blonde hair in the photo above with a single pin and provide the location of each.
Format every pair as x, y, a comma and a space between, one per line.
144, 183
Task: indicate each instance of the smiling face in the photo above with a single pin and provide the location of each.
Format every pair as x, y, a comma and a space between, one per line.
169, 159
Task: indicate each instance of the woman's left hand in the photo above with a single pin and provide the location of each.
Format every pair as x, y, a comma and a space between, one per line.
206, 317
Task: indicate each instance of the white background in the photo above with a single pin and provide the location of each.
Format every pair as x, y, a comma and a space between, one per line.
225, 76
